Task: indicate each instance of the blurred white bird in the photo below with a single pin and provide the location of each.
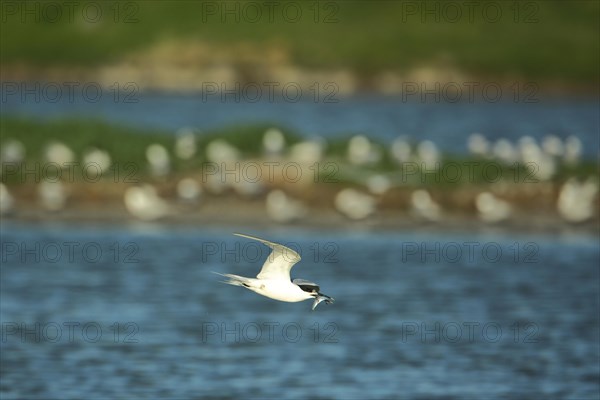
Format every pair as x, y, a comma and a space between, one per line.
572, 150
52, 195
478, 145
528, 149
553, 146
504, 151
361, 151
58, 153
185, 144
158, 159
274, 279
576, 200
12, 151
428, 153
378, 184
273, 142
354, 204
307, 152
6, 200
401, 150
424, 206
98, 158
491, 208
282, 208
188, 189
539, 163
220, 151
144, 203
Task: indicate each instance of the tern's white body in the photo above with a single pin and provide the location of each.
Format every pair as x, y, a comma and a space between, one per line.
274, 280
279, 290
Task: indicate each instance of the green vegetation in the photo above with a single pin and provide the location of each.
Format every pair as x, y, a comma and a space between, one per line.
538, 40
124, 144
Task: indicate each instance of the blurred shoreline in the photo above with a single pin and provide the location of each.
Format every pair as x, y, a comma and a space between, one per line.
104, 205
91, 171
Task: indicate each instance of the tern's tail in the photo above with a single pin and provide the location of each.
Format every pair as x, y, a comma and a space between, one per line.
322, 297
237, 280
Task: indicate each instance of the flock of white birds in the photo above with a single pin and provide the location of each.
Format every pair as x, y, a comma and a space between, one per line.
576, 200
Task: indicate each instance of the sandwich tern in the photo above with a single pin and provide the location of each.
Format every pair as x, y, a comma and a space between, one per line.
274, 279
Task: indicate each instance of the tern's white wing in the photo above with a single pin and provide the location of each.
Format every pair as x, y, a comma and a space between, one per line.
280, 261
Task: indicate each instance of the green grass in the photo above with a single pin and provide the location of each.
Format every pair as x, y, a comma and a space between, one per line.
559, 41
122, 142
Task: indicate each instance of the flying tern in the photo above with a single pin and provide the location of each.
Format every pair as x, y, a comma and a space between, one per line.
274, 279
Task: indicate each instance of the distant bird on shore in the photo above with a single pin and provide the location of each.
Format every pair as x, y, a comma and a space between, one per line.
6, 200
185, 144
354, 204
58, 153
428, 154
504, 151
274, 280
189, 190
52, 194
535, 159
158, 160
491, 208
572, 150
401, 150
308, 152
273, 142
553, 145
100, 159
478, 145
220, 151
424, 206
283, 208
362, 152
144, 203
576, 200
12, 151
378, 184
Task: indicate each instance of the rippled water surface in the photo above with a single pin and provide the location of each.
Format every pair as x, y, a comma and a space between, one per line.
417, 315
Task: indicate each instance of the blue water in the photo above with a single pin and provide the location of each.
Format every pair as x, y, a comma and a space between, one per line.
417, 315
385, 117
